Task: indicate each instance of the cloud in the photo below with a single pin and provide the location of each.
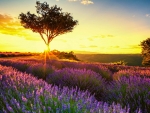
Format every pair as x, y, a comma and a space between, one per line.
134, 46
93, 46
147, 15
73, 0
90, 39
12, 26
114, 46
85, 2
100, 36
83, 46
109, 36
88, 46
104, 36
5, 18
8, 25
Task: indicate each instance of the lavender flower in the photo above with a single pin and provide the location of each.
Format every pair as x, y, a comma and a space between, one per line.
80, 78
71, 99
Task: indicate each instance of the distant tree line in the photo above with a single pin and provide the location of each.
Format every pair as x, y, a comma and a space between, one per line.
65, 55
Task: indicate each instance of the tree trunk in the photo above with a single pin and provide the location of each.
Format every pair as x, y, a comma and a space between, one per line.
48, 47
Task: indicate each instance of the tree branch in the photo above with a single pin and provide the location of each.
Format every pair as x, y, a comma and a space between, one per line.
43, 38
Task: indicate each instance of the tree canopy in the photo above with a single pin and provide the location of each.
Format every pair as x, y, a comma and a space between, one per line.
50, 21
146, 51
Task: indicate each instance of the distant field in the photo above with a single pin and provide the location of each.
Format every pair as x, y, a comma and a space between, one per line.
131, 59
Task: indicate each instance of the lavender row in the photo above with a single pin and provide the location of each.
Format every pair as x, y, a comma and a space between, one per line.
102, 69
130, 91
23, 93
115, 68
130, 72
37, 69
81, 78
23, 65
131, 87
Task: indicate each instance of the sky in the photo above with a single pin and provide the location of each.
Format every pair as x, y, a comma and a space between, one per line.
105, 26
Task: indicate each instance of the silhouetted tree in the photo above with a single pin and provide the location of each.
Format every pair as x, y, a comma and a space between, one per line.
50, 21
146, 52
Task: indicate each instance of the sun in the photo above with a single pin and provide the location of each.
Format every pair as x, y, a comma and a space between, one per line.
45, 48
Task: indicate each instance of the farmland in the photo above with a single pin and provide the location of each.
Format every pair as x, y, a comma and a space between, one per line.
131, 59
63, 86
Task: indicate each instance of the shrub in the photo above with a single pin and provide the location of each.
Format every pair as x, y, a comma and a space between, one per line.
103, 71
19, 65
123, 63
40, 70
81, 78
129, 72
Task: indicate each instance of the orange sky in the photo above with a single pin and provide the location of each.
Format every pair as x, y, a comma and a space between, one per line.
104, 26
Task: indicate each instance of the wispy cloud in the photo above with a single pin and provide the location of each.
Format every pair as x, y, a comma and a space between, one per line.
8, 25
11, 26
83, 46
134, 46
73, 0
100, 36
85, 2
147, 15
90, 39
88, 46
104, 36
93, 46
5, 18
114, 46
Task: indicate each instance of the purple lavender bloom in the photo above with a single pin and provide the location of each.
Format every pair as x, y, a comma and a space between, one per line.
24, 99
9, 108
48, 95
80, 78
131, 90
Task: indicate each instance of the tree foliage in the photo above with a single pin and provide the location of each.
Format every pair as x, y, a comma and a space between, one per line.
49, 23
65, 55
146, 51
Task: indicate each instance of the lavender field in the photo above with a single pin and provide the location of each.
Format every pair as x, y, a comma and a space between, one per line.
58, 86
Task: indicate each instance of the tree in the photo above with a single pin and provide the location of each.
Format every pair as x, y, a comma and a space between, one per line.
49, 23
146, 52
